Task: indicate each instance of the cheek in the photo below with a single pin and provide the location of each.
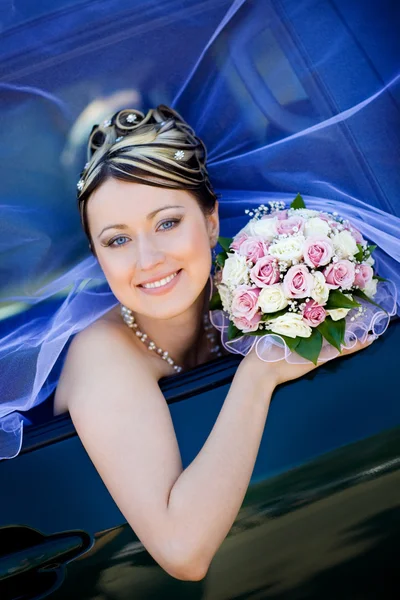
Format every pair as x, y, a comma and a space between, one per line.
198, 252
116, 267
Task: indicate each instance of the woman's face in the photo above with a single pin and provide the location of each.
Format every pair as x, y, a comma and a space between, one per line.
153, 245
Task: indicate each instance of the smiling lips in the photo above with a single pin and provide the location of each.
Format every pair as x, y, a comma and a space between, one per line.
160, 282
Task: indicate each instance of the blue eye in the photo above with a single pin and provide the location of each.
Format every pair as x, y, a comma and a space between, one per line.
113, 243
170, 221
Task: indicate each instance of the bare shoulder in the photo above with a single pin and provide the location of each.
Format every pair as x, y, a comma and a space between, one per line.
101, 351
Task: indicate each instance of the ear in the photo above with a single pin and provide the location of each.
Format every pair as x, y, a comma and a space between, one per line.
213, 226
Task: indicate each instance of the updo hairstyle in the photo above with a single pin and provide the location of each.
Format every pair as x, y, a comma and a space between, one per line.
158, 149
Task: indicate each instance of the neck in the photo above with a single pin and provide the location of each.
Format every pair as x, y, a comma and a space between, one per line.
181, 336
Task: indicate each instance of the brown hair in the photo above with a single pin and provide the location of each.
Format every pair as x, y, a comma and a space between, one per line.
158, 149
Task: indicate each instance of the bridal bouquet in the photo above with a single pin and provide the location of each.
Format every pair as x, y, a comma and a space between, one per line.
301, 279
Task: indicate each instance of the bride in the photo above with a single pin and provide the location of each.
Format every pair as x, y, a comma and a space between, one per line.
151, 217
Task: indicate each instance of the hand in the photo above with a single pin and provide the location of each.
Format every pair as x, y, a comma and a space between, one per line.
282, 371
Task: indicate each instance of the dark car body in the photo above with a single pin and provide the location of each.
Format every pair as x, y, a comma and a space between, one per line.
321, 517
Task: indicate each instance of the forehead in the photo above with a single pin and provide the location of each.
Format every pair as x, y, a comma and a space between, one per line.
124, 202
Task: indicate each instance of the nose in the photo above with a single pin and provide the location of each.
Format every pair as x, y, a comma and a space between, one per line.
148, 254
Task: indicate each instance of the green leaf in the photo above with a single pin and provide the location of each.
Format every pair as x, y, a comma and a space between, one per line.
361, 294
371, 248
233, 331
310, 347
379, 278
338, 300
333, 331
360, 254
221, 258
215, 302
291, 342
269, 316
225, 243
298, 202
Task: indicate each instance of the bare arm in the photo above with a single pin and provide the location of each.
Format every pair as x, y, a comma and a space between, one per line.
207, 496
181, 517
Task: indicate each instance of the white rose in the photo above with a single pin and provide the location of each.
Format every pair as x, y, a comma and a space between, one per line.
320, 291
245, 229
307, 213
290, 324
235, 271
272, 298
338, 313
226, 296
345, 245
370, 288
265, 228
288, 249
369, 261
316, 226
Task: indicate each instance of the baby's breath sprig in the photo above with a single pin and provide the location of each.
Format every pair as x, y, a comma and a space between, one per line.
277, 205
357, 313
262, 210
294, 306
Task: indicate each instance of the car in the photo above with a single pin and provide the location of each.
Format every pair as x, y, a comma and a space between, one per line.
321, 517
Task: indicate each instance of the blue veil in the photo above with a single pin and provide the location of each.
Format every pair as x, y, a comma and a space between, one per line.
289, 96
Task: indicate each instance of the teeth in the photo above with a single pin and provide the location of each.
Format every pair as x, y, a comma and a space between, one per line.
164, 281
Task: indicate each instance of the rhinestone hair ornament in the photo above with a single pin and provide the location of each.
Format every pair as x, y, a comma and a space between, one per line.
158, 149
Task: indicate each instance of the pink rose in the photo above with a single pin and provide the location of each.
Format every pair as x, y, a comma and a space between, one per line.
340, 274
324, 217
279, 214
317, 251
265, 272
244, 301
298, 282
238, 241
363, 275
329, 219
314, 313
247, 325
253, 248
291, 225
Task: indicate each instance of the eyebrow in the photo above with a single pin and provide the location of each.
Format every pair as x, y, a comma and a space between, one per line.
149, 217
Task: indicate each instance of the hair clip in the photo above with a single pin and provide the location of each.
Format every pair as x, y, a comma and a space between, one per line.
179, 154
80, 185
131, 118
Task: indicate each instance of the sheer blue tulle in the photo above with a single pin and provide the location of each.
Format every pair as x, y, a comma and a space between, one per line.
288, 96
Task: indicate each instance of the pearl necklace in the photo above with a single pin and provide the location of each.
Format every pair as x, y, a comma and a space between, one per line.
211, 335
